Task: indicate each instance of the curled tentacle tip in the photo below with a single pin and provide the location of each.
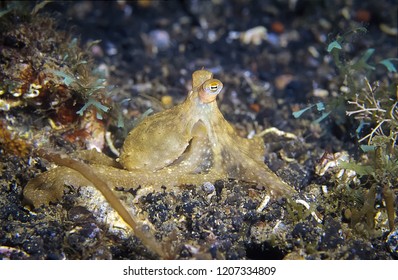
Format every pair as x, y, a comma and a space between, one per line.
209, 90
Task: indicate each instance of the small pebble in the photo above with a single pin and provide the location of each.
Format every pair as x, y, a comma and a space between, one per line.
277, 27
208, 187
283, 80
254, 36
392, 31
160, 39
363, 15
167, 101
319, 92
110, 49
392, 243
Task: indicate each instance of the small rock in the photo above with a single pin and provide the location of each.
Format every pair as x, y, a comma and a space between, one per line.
208, 187
392, 243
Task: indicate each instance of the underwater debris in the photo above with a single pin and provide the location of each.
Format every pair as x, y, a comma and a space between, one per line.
255, 35
12, 144
370, 181
43, 70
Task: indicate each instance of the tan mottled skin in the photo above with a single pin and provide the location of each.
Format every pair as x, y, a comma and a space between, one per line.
188, 144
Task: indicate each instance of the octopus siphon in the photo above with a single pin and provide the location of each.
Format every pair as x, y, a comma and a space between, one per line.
189, 144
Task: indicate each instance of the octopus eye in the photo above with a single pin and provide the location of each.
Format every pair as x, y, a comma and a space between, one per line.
209, 91
213, 87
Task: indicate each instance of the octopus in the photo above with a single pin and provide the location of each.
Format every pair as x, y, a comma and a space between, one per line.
188, 144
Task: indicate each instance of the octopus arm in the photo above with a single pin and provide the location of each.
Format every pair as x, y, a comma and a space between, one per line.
50, 185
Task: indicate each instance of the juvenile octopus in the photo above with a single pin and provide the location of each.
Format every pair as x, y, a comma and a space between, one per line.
189, 144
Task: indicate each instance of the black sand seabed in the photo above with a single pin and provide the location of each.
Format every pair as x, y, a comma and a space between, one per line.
150, 49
